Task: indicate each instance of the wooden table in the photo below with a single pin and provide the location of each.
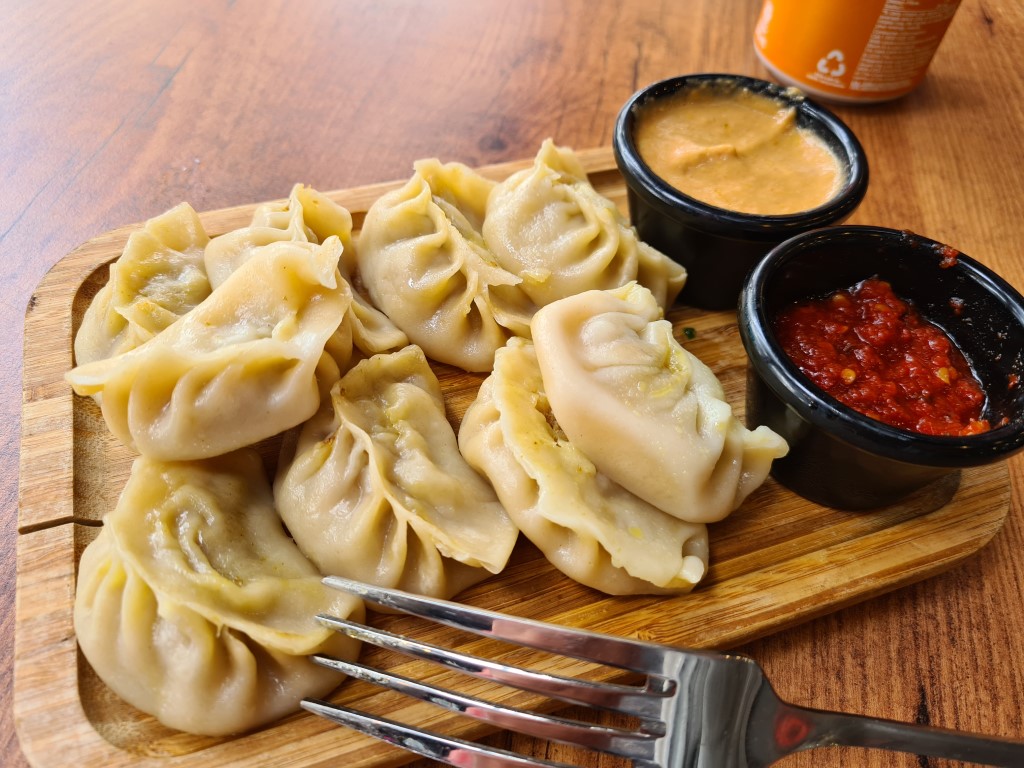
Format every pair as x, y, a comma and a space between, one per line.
111, 112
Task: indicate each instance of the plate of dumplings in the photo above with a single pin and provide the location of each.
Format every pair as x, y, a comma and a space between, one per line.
474, 384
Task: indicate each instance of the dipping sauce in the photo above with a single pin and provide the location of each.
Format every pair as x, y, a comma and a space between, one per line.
737, 150
873, 351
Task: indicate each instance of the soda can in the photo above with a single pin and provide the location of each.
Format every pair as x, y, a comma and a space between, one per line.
852, 51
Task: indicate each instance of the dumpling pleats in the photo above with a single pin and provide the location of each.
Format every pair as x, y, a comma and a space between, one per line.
549, 226
309, 216
194, 606
424, 263
376, 488
159, 277
235, 370
587, 526
647, 412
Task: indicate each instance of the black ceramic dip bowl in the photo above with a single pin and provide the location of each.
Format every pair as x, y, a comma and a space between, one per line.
719, 246
839, 457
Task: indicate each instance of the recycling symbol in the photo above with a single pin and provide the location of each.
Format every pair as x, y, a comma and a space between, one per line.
833, 63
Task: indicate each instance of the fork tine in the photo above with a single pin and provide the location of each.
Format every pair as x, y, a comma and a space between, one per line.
634, 655
615, 741
627, 699
444, 749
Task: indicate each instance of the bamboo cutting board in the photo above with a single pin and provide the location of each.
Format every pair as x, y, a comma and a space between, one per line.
777, 561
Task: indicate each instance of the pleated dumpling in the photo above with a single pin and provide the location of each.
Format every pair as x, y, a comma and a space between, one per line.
238, 368
588, 526
376, 490
194, 606
424, 263
548, 225
648, 413
159, 277
309, 216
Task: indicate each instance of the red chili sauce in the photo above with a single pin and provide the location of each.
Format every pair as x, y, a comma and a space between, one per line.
874, 352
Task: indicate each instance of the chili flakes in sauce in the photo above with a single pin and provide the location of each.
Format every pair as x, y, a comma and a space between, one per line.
872, 351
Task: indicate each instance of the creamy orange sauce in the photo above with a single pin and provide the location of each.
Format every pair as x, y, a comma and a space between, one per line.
737, 150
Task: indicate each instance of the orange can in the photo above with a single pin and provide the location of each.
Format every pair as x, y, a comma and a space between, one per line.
854, 51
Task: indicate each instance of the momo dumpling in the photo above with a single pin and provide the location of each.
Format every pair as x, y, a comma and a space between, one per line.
649, 414
159, 277
309, 216
424, 263
589, 527
376, 489
549, 226
238, 368
194, 606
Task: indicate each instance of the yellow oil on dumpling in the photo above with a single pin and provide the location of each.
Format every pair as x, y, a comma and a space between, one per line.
549, 226
645, 410
376, 490
235, 370
159, 277
589, 527
195, 606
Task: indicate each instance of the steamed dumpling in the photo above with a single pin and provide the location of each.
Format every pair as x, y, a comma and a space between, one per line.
159, 277
424, 263
238, 368
377, 490
193, 604
548, 225
588, 526
309, 216
650, 415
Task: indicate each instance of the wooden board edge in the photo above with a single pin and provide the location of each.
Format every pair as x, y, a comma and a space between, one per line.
939, 540
45, 493
45, 654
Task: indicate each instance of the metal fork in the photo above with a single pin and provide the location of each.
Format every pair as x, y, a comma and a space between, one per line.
695, 709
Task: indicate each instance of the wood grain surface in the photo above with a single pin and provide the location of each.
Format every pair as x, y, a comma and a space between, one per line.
777, 561
113, 111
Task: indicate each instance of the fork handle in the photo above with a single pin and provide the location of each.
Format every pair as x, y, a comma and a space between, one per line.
798, 728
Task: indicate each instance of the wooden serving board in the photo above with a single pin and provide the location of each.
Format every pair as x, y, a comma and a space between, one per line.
776, 561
